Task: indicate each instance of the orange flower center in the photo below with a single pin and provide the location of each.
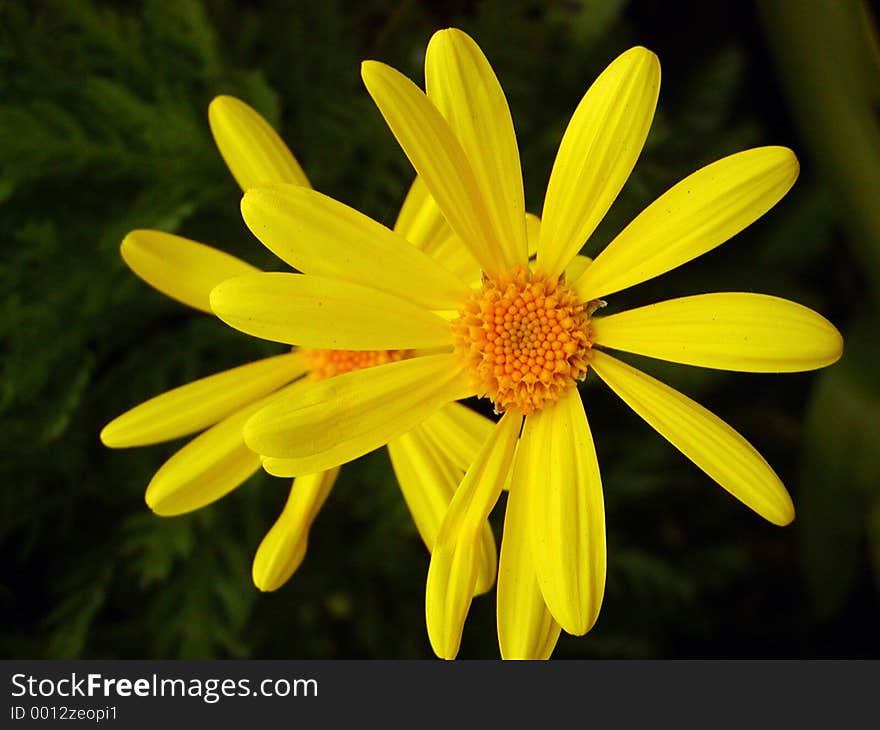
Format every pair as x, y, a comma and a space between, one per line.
526, 338
328, 363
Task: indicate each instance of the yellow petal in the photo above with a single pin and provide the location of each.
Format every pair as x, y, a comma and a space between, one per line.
464, 88
598, 151
178, 267
428, 480
253, 151
702, 437
315, 311
207, 468
322, 237
577, 267
728, 331
438, 158
283, 548
454, 565
693, 217
453, 255
533, 233
420, 221
333, 421
459, 432
201, 403
558, 471
526, 629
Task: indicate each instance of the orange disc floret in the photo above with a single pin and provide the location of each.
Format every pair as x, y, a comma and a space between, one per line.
328, 363
526, 339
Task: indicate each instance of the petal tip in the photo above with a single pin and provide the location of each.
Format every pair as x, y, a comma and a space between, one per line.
252, 433
785, 515
216, 298
369, 69
221, 103
156, 499
265, 579
580, 623
133, 243
109, 436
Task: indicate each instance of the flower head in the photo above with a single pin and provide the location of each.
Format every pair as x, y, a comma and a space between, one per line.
526, 337
519, 333
218, 460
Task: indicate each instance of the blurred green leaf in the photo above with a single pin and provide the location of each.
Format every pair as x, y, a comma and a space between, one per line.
840, 476
827, 58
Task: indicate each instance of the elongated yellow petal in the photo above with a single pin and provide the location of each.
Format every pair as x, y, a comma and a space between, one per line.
577, 267
526, 629
315, 311
598, 151
559, 473
420, 221
428, 480
253, 151
693, 217
283, 548
437, 156
728, 331
533, 233
455, 558
208, 467
452, 254
459, 432
282, 467
203, 402
333, 421
182, 269
320, 236
463, 86
702, 437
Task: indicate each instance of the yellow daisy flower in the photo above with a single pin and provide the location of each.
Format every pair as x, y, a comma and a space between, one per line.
428, 462
523, 335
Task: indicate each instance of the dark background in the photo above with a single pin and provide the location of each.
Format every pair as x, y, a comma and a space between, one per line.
103, 129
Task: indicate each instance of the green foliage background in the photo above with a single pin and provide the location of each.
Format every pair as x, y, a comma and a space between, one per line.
103, 129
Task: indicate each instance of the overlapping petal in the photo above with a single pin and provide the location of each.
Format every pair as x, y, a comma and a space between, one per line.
420, 221
459, 432
598, 151
182, 269
208, 467
428, 480
526, 629
454, 564
333, 421
438, 158
728, 331
576, 267
283, 548
533, 233
253, 151
462, 85
453, 255
201, 403
560, 475
702, 437
315, 311
323, 237
693, 217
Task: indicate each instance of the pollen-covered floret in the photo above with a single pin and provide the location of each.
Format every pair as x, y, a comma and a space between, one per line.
329, 363
526, 339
